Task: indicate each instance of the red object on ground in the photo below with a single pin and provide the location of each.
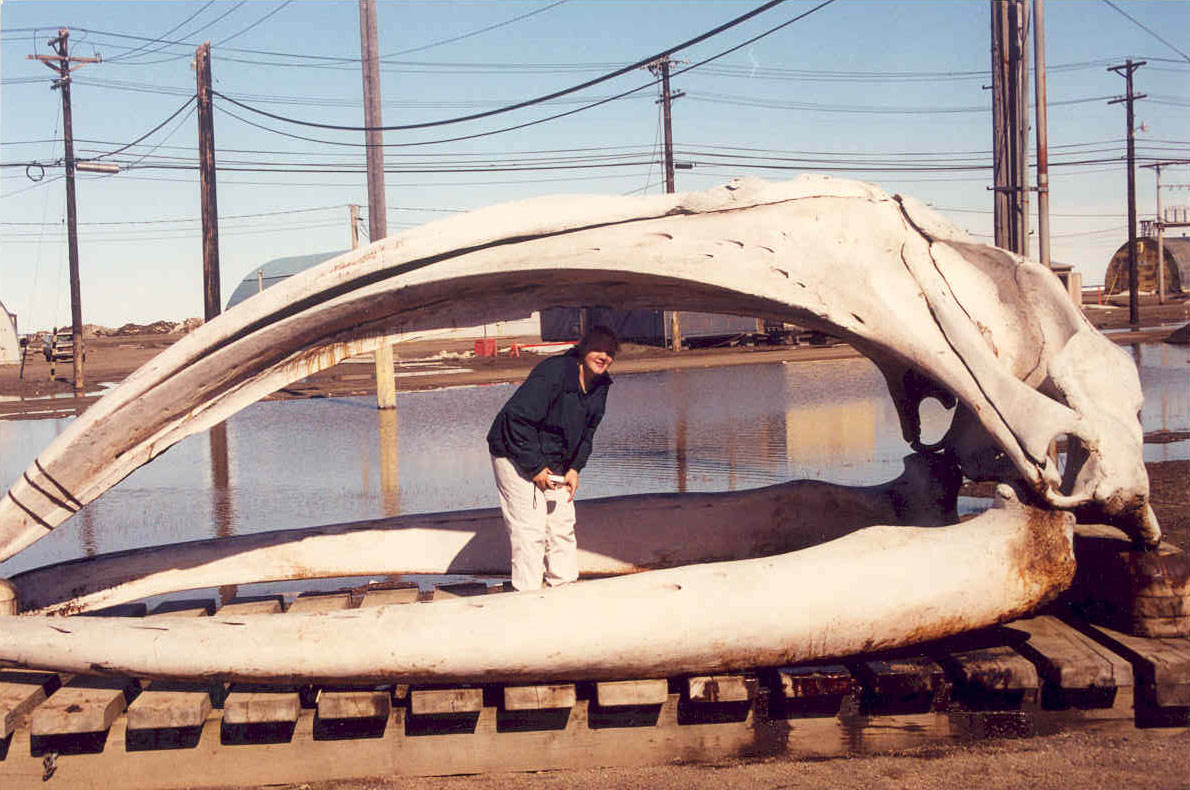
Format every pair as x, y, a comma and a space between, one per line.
485, 347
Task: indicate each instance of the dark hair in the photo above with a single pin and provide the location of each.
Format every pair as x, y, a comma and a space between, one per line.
598, 338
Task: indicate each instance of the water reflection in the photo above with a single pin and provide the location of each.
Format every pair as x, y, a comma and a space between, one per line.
282, 464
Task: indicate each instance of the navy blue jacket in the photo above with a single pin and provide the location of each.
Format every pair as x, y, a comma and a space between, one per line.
549, 420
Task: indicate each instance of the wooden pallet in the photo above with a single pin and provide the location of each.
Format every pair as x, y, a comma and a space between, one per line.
1038, 675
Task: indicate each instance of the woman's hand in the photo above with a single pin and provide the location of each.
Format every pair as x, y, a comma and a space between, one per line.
570, 483
542, 480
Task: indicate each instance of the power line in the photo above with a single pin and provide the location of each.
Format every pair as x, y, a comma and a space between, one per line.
170, 58
556, 116
527, 102
473, 33
155, 129
1148, 30
253, 25
118, 58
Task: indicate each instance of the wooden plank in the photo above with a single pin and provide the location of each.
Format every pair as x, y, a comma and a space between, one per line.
916, 684
994, 669
246, 703
720, 688
20, 692
249, 704
993, 678
1161, 665
618, 693
1075, 670
388, 597
84, 705
815, 680
432, 702
136, 609
187, 607
547, 697
310, 604
812, 691
170, 705
354, 703
445, 592
244, 606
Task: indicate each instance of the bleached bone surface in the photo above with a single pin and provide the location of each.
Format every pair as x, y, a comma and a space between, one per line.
884, 273
619, 535
907, 584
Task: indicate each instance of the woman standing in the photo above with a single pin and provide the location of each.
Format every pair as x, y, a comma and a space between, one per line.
539, 442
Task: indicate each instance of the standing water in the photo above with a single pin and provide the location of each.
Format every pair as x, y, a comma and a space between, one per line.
295, 463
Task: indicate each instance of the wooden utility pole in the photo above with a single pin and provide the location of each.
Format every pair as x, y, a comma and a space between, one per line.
1160, 223
1040, 100
661, 67
211, 301
61, 62
1126, 71
386, 384
353, 218
1010, 124
1160, 240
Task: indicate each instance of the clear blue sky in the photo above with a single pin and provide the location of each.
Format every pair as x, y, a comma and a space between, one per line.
887, 92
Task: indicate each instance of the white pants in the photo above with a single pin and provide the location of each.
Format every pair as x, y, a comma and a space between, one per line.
540, 529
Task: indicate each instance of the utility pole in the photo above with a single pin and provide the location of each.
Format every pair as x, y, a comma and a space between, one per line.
353, 218
661, 67
1161, 224
1160, 240
1043, 167
60, 63
386, 384
1126, 70
1010, 125
211, 301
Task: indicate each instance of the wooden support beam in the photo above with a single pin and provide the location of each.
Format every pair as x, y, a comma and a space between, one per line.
618, 693
332, 602
1161, 666
436, 702
249, 704
20, 692
173, 705
445, 592
354, 703
1075, 670
84, 705
720, 688
545, 697
397, 595
903, 685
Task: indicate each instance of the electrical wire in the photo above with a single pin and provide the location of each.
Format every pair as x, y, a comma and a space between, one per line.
473, 33
251, 26
1145, 28
160, 38
155, 129
527, 102
546, 119
171, 58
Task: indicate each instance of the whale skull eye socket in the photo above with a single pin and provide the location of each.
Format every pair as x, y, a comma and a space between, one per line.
935, 419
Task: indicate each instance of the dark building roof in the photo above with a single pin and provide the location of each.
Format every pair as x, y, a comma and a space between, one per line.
274, 272
1177, 266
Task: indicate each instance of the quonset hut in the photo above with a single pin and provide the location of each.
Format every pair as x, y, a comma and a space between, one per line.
1177, 266
278, 269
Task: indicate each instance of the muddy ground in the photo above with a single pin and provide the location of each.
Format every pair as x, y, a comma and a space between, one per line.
1085, 760
1149, 759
